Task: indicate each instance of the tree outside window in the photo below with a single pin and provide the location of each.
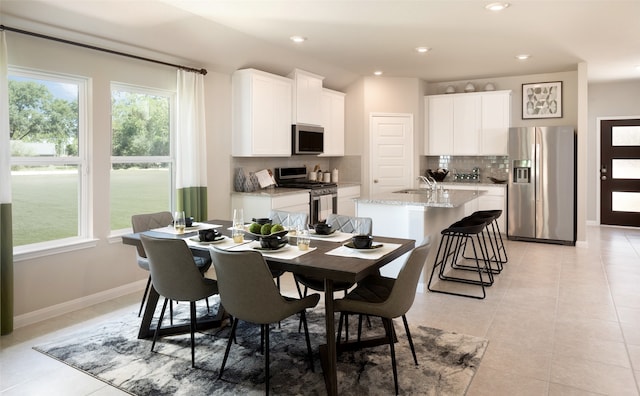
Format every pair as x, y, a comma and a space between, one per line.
141, 161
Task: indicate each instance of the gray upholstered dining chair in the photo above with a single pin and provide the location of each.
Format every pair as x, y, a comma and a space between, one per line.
149, 221
344, 224
176, 278
387, 298
294, 219
248, 293
349, 223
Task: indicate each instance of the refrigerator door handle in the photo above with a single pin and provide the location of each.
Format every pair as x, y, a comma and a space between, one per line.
537, 170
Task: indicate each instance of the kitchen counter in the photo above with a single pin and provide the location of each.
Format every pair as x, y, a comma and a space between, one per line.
441, 199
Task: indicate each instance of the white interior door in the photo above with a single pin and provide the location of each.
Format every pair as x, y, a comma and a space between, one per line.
391, 152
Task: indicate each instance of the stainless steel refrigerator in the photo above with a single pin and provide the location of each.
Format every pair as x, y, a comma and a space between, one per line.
542, 185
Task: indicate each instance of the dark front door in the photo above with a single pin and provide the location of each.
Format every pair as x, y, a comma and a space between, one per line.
620, 172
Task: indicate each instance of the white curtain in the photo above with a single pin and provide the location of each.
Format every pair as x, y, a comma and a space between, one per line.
6, 232
191, 155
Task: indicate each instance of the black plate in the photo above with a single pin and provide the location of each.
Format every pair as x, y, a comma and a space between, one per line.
270, 249
216, 239
374, 246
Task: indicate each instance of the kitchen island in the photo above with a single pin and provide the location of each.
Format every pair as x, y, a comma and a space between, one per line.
414, 214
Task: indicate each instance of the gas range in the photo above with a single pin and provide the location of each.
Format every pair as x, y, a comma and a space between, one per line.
297, 178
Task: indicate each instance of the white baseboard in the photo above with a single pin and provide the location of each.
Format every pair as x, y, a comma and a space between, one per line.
74, 305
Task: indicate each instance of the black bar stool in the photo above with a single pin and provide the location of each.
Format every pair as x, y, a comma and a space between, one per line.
453, 242
493, 232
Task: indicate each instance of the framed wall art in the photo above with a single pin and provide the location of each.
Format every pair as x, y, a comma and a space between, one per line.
542, 100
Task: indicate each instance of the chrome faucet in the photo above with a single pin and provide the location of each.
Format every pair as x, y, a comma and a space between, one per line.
429, 181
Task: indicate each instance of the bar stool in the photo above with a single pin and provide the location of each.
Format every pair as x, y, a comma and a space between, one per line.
493, 229
455, 239
491, 233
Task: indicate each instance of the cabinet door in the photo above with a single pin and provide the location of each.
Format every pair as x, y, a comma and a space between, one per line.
333, 122
496, 118
466, 124
261, 114
307, 98
440, 125
346, 203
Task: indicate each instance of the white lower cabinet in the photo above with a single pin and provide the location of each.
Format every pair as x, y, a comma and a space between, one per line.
260, 205
493, 198
346, 203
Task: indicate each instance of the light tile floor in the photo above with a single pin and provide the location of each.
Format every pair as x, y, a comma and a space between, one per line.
560, 321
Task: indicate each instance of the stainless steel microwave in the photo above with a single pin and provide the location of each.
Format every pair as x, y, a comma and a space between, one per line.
307, 139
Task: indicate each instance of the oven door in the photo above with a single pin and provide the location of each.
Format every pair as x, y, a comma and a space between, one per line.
322, 206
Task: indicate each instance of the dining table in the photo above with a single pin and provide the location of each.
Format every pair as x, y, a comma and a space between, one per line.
330, 257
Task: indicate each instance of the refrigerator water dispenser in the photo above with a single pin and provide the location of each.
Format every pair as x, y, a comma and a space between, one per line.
522, 171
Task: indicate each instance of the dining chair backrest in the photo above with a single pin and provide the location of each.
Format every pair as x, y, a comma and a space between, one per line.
348, 223
295, 218
246, 286
173, 272
149, 221
403, 292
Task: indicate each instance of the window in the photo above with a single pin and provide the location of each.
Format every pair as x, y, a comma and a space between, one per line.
141, 155
47, 123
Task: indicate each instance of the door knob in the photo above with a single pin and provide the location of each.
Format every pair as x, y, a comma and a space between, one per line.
603, 178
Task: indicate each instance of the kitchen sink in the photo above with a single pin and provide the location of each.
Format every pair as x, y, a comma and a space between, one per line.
413, 191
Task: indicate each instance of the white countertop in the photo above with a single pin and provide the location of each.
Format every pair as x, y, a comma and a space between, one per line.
441, 199
273, 192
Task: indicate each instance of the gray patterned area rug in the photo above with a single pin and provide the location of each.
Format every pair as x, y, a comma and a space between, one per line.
112, 353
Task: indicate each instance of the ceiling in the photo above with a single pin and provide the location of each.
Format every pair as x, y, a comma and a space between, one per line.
352, 38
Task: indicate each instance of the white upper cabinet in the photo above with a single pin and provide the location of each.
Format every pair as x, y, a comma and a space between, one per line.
439, 112
468, 124
261, 120
307, 98
333, 122
496, 119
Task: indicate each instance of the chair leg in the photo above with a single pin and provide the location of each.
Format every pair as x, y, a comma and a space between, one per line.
192, 328
406, 329
360, 326
266, 358
303, 315
208, 307
388, 324
226, 352
155, 334
340, 328
144, 295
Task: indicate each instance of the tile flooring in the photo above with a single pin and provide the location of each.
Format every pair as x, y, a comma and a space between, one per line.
560, 321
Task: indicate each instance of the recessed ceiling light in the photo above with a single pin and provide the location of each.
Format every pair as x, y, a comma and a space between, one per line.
523, 57
497, 6
423, 50
298, 39
377, 72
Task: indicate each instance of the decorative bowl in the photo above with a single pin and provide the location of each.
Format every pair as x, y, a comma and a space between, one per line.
362, 241
323, 229
272, 242
438, 175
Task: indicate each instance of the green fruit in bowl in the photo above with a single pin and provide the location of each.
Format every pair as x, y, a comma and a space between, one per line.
277, 228
266, 229
255, 228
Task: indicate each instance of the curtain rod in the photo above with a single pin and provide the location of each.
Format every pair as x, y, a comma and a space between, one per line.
201, 71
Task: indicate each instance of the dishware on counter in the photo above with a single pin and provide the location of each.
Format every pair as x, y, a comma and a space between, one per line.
439, 174
450, 89
334, 176
237, 230
497, 181
261, 220
489, 87
326, 177
469, 88
179, 222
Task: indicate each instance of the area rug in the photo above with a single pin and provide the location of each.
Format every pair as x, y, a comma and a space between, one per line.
111, 352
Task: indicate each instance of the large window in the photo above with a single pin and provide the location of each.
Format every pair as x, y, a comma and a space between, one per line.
47, 123
141, 157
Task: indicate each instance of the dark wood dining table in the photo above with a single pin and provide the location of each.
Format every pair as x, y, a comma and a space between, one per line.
315, 263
